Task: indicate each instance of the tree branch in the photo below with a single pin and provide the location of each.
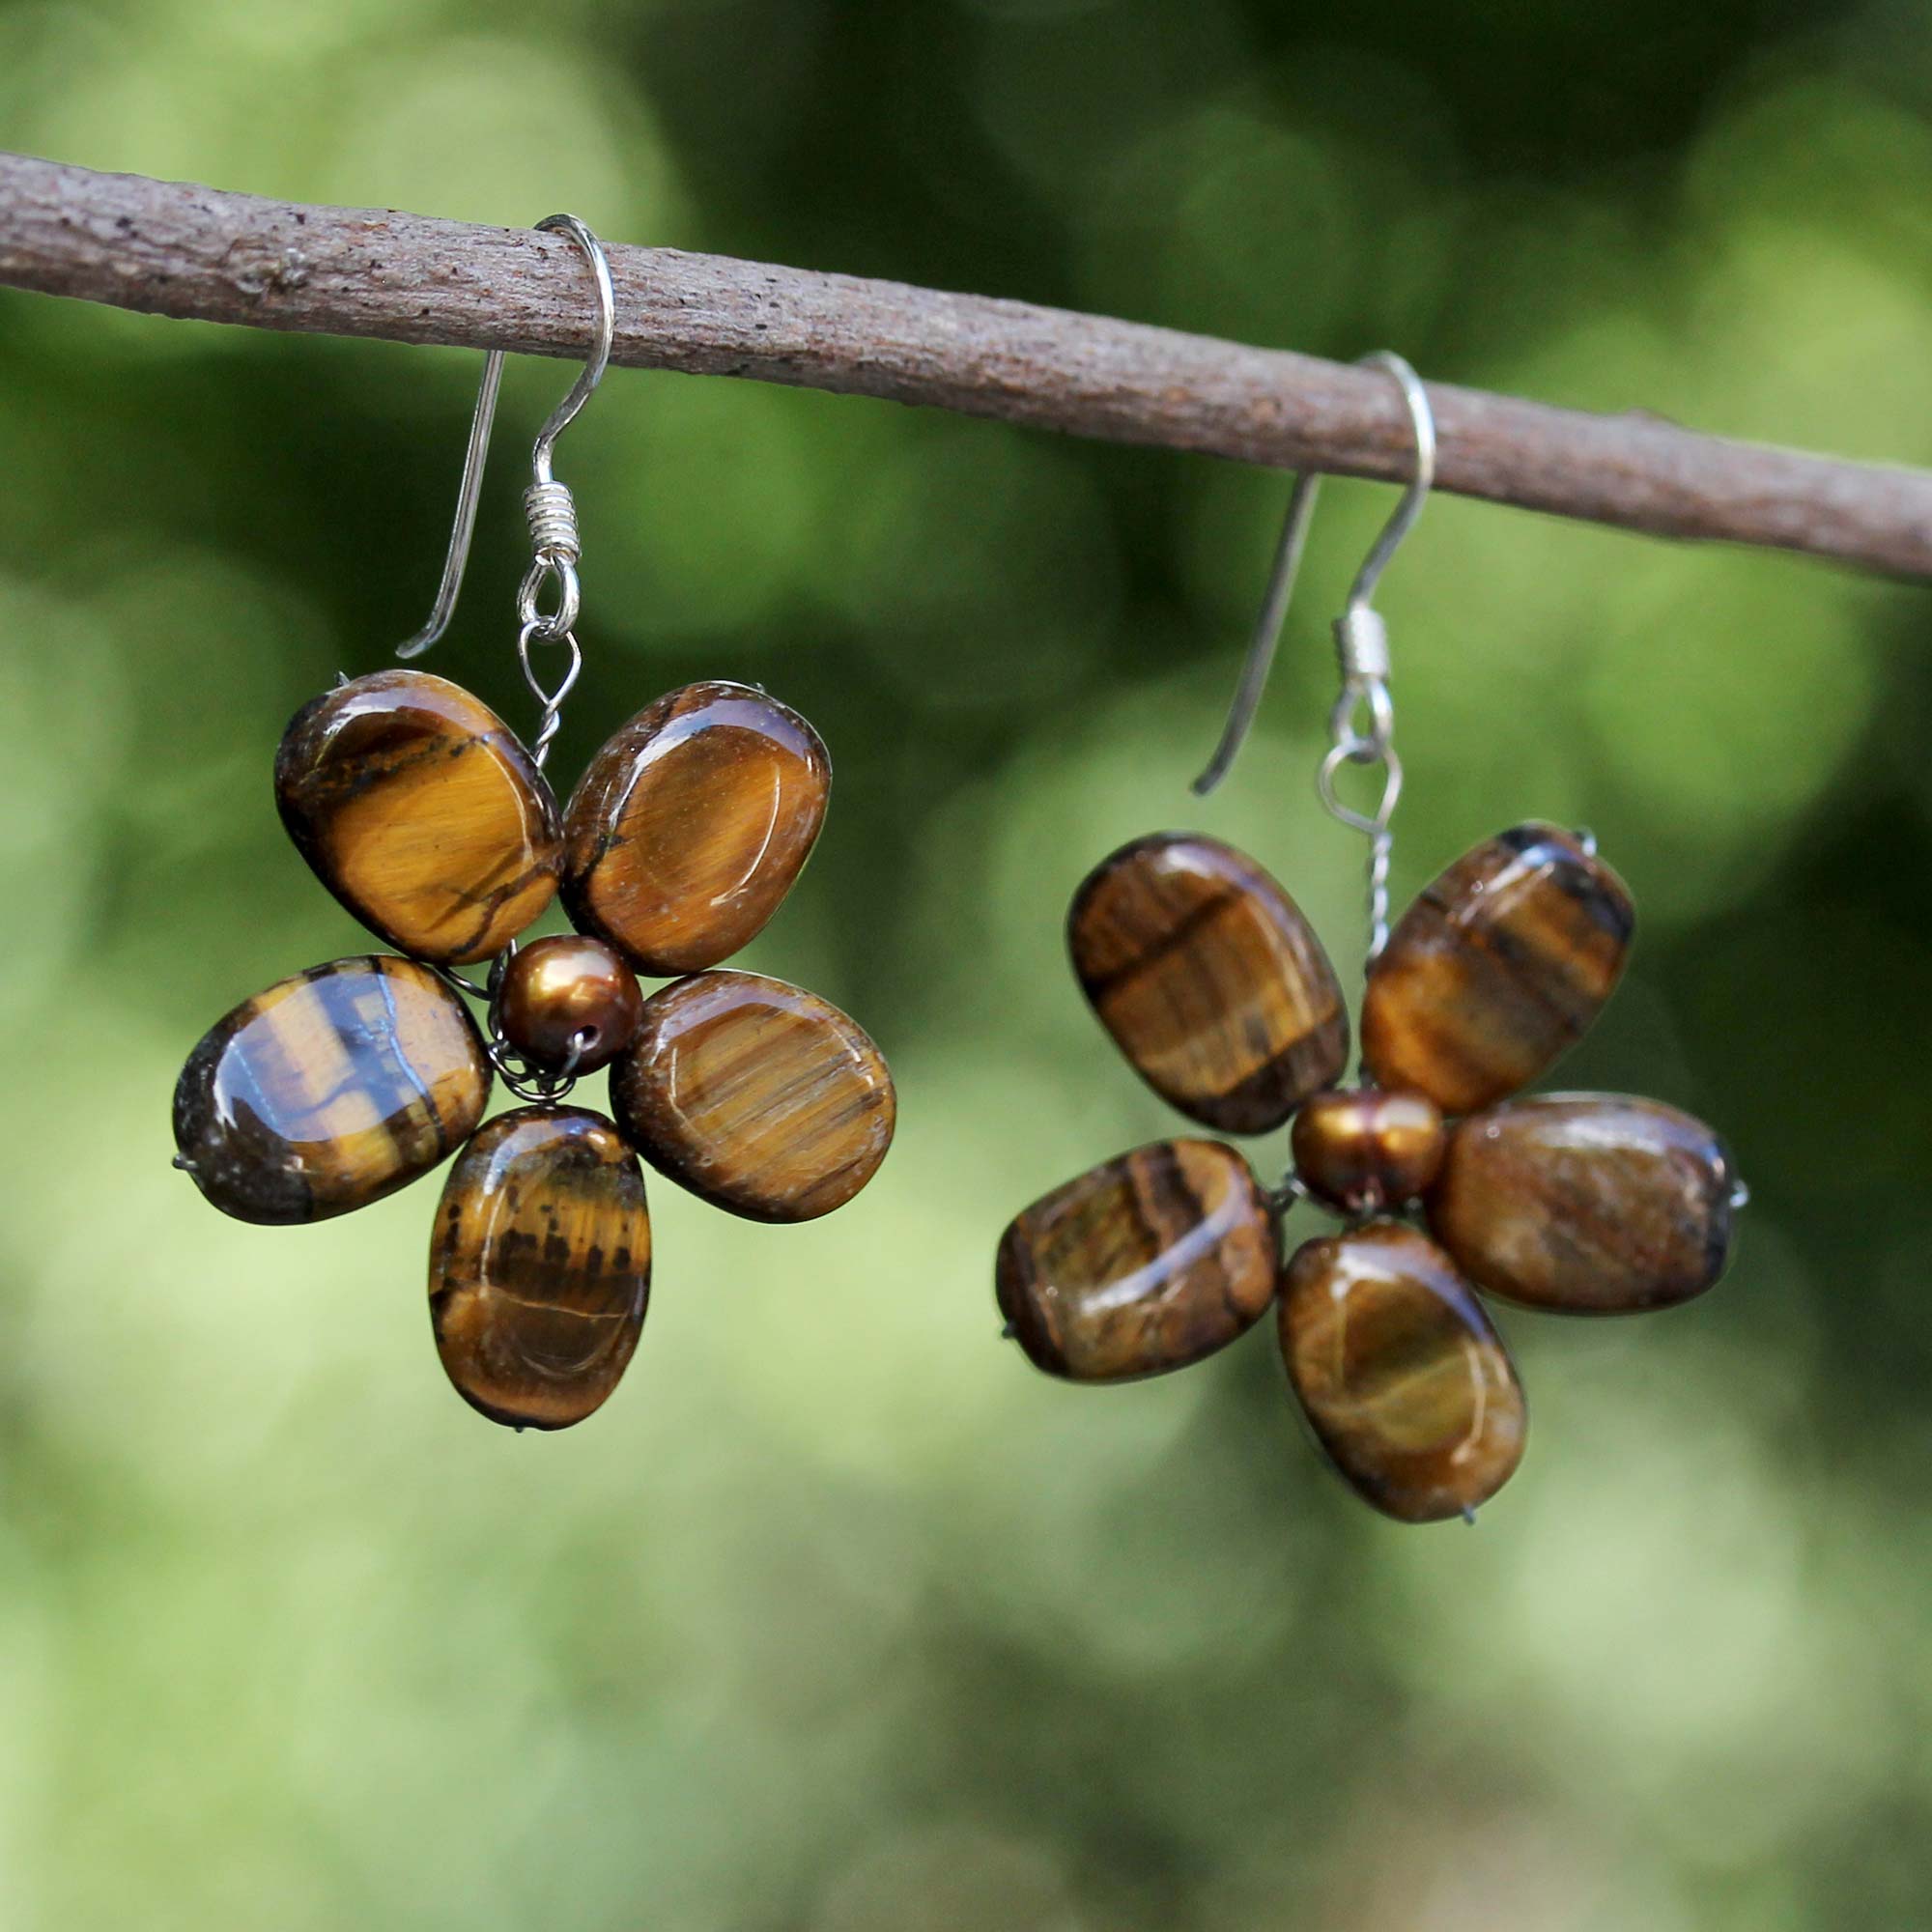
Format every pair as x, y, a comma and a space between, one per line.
173, 249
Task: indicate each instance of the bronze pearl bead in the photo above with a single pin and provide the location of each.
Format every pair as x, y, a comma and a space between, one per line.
1363, 1151
569, 989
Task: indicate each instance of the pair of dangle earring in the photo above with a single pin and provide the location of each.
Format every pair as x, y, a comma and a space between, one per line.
434, 827
1218, 992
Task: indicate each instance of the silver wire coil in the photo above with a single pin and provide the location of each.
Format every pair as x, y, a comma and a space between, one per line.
1362, 644
552, 514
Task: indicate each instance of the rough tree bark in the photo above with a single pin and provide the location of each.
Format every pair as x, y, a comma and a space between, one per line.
175, 249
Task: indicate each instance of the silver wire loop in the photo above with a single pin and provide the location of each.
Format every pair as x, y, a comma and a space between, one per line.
550, 626
521, 1074
1362, 747
1361, 641
1374, 824
549, 550
524, 1078
550, 699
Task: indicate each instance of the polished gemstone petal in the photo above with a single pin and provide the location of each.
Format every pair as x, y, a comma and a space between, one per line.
540, 1266
1586, 1203
760, 1097
690, 826
330, 1090
570, 1000
1362, 1150
1496, 969
1408, 1387
1146, 1262
421, 813
1209, 980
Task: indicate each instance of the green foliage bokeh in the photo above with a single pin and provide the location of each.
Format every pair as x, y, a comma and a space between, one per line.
839, 1617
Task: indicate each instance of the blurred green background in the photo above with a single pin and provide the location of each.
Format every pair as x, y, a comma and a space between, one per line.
840, 1616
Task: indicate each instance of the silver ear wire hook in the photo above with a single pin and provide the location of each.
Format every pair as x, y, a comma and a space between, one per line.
1361, 653
547, 503
474, 457
591, 374
1361, 640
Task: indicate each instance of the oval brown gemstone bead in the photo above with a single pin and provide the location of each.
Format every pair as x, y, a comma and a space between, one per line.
1209, 980
1586, 1203
570, 991
1495, 969
421, 813
1362, 1150
1143, 1264
1408, 1388
329, 1091
757, 1095
689, 827
540, 1268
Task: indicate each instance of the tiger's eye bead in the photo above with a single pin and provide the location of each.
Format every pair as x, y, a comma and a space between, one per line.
758, 1096
1143, 1264
421, 813
1586, 1203
1362, 1150
330, 1090
1209, 980
540, 1266
689, 827
566, 990
1408, 1388
1495, 969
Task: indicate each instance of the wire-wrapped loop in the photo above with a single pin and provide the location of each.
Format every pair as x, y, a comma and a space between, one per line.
550, 626
552, 699
1359, 746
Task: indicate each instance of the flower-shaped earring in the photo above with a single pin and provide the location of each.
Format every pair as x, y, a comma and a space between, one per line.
427, 819
1216, 989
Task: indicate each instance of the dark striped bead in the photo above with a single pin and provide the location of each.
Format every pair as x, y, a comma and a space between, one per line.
760, 1097
687, 828
1586, 1203
1144, 1264
540, 1268
1408, 1388
421, 813
330, 1090
1496, 969
1209, 980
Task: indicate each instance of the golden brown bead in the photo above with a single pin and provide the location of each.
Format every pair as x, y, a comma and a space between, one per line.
421, 813
1143, 1264
540, 1266
1363, 1149
689, 827
1495, 969
1409, 1388
1586, 1203
569, 994
1209, 980
330, 1090
758, 1096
